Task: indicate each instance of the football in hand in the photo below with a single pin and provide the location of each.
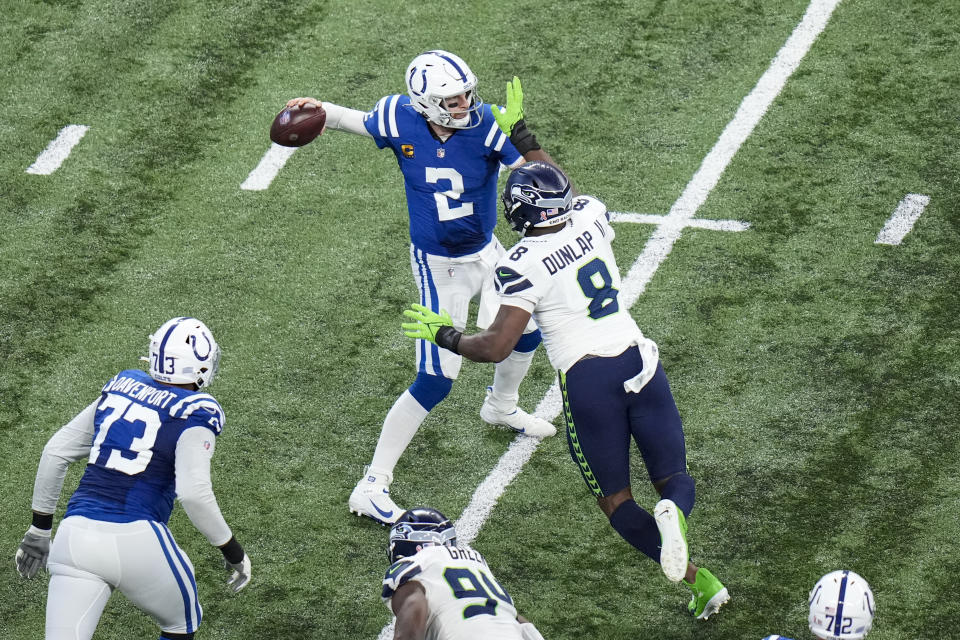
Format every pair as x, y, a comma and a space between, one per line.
296, 126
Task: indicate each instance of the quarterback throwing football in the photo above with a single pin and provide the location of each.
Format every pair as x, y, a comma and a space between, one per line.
563, 274
449, 146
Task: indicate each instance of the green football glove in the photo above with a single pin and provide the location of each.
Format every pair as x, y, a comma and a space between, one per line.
513, 112
433, 327
425, 323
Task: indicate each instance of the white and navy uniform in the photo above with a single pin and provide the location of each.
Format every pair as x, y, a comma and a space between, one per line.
146, 443
610, 376
451, 189
464, 599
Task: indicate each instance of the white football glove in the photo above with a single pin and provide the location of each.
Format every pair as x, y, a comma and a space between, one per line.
33, 551
241, 574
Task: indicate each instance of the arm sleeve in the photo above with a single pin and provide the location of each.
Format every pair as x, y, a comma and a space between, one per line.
194, 488
72, 442
345, 119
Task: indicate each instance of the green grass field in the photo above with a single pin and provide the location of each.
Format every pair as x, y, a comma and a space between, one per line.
817, 372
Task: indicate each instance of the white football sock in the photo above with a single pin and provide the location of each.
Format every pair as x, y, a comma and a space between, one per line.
507, 377
401, 424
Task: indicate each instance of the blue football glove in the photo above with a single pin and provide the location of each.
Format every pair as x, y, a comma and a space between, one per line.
508, 116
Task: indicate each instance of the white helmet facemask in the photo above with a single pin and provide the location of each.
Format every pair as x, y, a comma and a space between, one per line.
841, 607
433, 77
183, 351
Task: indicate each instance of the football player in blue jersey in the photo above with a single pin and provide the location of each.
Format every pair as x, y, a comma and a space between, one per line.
147, 440
449, 145
841, 608
563, 273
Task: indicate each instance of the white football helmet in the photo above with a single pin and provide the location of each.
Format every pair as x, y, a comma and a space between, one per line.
183, 351
841, 607
436, 75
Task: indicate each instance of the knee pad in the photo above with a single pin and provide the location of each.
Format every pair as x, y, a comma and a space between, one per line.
529, 341
430, 390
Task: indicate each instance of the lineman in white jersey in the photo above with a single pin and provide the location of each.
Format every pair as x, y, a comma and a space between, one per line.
441, 591
563, 273
449, 146
146, 439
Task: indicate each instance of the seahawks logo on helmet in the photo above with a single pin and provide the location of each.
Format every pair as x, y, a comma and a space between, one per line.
537, 194
418, 528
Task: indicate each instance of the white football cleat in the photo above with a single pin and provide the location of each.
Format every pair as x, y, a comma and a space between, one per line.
517, 419
371, 498
673, 540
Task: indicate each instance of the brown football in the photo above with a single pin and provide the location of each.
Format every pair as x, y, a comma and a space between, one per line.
296, 126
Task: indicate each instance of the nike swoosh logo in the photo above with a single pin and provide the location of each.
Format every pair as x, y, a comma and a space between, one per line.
385, 514
504, 275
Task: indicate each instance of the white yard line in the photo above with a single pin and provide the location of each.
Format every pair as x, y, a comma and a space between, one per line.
903, 219
270, 165
657, 249
58, 150
699, 223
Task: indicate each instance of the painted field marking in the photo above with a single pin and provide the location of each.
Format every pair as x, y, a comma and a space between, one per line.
699, 223
57, 151
270, 165
903, 219
657, 249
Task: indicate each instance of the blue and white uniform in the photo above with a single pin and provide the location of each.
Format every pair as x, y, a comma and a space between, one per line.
464, 599
146, 443
451, 189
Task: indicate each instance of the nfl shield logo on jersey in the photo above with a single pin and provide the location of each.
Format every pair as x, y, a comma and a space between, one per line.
441, 152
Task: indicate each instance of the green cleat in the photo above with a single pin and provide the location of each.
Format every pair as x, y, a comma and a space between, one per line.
673, 539
708, 595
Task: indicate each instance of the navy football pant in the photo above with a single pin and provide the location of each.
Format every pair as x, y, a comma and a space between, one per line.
602, 417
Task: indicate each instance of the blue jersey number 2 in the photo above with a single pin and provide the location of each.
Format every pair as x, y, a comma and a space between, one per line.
465, 584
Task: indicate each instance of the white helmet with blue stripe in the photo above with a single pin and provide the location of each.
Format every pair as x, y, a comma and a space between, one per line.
841, 607
436, 75
183, 351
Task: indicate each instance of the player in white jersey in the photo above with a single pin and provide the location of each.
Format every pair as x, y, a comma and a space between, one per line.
441, 591
449, 146
563, 273
146, 439
841, 608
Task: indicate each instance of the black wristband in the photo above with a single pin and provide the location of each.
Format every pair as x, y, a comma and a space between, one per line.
448, 338
43, 521
522, 138
232, 551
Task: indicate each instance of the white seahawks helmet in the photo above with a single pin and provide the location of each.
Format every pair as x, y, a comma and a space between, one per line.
436, 75
183, 351
841, 607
